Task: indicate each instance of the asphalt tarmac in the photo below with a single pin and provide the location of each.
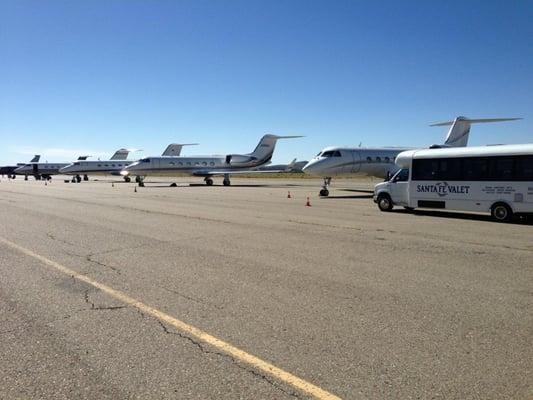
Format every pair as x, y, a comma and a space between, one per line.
195, 292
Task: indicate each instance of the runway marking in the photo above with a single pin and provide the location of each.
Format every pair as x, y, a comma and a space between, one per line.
227, 348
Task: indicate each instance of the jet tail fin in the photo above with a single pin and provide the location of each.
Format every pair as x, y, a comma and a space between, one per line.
120, 154
174, 149
460, 129
35, 158
264, 150
290, 166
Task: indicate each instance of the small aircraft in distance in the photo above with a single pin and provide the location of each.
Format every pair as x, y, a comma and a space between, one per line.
112, 166
380, 161
208, 166
9, 170
46, 170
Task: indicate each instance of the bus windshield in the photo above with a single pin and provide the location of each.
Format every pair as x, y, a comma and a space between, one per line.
401, 176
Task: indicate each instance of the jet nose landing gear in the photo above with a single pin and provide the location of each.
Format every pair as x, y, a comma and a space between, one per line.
325, 188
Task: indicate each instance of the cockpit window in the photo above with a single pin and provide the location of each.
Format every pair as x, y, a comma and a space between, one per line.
331, 153
318, 155
145, 160
76, 163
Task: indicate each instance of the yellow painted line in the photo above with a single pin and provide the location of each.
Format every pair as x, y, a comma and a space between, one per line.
190, 330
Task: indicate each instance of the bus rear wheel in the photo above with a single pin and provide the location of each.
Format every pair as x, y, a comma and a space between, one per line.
384, 202
501, 212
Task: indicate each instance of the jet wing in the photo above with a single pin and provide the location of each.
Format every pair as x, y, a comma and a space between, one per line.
205, 172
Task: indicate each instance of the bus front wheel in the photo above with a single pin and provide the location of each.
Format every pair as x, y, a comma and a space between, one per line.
384, 202
501, 212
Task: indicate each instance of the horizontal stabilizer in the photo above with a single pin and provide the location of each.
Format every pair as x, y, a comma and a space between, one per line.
476, 121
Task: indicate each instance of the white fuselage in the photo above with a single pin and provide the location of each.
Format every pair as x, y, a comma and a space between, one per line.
93, 167
197, 165
339, 161
40, 169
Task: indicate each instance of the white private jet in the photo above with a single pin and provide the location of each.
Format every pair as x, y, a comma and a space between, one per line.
114, 165
379, 161
207, 166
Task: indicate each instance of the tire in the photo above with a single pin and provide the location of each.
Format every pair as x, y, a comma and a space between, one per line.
324, 193
226, 183
127, 179
501, 212
384, 202
209, 182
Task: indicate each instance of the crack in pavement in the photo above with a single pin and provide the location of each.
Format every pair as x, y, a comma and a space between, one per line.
55, 238
89, 257
199, 301
201, 347
93, 307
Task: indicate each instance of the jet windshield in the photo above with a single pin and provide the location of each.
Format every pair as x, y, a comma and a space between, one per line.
331, 153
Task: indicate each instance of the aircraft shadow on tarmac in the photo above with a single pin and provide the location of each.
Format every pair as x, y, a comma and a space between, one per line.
522, 220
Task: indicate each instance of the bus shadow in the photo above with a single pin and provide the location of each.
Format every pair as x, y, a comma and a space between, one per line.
522, 220
354, 196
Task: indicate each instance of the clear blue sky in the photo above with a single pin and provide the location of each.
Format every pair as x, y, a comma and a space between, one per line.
93, 76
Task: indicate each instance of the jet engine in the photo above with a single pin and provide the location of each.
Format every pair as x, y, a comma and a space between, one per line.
239, 159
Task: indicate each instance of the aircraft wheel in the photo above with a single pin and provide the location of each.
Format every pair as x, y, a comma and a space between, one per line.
226, 182
137, 179
384, 202
127, 179
141, 184
209, 182
85, 178
25, 177
78, 178
324, 193
501, 212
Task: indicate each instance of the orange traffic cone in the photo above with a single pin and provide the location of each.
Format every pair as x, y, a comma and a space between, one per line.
308, 204
289, 195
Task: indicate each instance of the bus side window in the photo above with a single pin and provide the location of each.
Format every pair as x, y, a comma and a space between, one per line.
524, 168
502, 169
475, 169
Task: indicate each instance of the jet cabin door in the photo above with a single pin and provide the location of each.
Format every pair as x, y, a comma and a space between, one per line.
355, 164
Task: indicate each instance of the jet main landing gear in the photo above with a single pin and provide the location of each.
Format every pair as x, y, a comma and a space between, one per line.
127, 179
226, 181
140, 181
208, 181
85, 178
325, 188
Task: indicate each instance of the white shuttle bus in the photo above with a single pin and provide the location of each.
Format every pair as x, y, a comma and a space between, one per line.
496, 179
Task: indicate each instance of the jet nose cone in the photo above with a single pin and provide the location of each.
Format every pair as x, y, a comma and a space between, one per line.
310, 167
